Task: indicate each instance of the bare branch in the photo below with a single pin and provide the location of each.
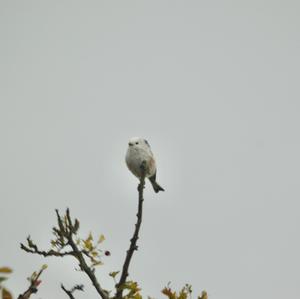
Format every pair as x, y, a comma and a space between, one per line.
32, 248
133, 241
70, 292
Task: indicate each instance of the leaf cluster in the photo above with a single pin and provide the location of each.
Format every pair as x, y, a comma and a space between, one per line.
131, 290
92, 249
184, 293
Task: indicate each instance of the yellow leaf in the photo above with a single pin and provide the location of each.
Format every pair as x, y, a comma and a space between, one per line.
44, 267
88, 245
94, 253
6, 294
137, 296
168, 292
5, 270
101, 239
97, 263
114, 274
204, 295
90, 237
182, 294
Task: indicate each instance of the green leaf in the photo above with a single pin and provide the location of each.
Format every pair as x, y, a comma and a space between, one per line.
2, 279
114, 274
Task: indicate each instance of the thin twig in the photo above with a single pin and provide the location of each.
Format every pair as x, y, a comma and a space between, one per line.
133, 241
70, 292
50, 252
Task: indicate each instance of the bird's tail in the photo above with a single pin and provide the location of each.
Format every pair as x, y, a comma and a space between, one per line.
155, 185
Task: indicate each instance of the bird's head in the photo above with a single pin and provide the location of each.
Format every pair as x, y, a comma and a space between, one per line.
137, 142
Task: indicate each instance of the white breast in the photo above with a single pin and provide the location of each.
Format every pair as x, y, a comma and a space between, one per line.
135, 157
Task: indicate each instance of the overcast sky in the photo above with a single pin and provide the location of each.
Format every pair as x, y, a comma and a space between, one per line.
212, 85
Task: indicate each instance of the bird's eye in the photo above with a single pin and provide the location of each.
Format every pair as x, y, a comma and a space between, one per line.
136, 143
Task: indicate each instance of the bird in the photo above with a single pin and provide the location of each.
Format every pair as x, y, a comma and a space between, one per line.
139, 151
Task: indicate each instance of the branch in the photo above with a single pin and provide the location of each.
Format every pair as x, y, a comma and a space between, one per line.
133, 241
85, 268
64, 233
78, 253
70, 292
34, 283
35, 250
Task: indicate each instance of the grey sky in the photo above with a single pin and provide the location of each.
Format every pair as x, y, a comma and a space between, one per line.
212, 85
